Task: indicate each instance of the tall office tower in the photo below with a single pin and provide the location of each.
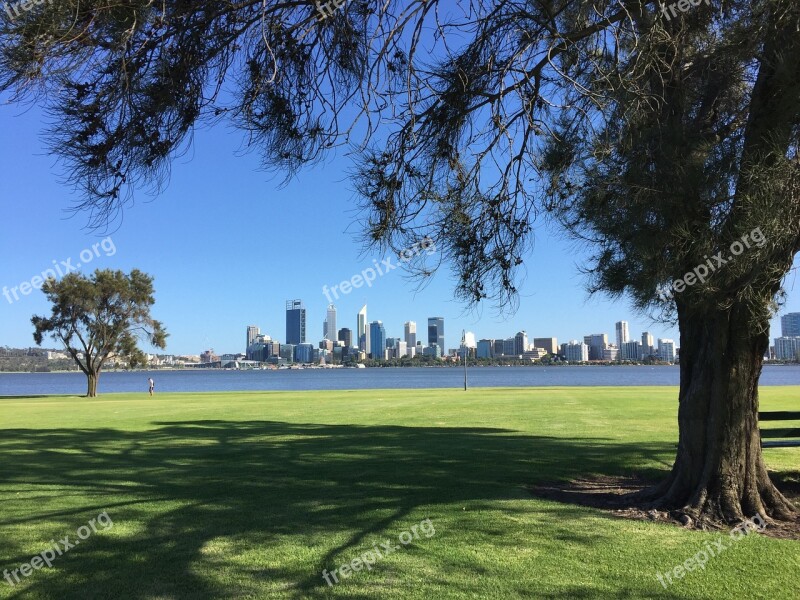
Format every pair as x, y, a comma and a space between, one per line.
520, 343
485, 349
469, 340
647, 344
622, 333
295, 322
252, 334
362, 331
330, 323
509, 345
666, 350
497, 348
346, 336
411, 334
436, 331
597, 343
549, 344
790, 325
377, 340
631, 350
787, 347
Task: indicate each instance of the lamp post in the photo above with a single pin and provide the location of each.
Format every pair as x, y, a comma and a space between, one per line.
464, 350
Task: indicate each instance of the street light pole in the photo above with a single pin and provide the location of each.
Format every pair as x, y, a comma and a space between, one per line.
464, 350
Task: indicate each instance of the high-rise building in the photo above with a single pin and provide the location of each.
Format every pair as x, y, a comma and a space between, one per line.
485, 349
252, 334
295, 322
666, 350
549, 344
469, 340
790, 325
787, 347
520, 343
597, 343
330, 324
436, 331
304, 353
509, 345
622, 333
362, 331
575, 351
410, 333
377, 340
631, 350
401, 349
346, 336
647, 344
497, 347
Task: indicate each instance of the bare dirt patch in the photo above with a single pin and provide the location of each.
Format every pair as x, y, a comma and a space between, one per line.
617, 495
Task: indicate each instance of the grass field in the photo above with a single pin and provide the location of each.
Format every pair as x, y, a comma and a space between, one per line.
252, 495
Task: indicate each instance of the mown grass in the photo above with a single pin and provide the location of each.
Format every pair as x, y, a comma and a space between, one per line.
251, 495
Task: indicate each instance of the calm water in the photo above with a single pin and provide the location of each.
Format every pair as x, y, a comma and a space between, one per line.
22, 384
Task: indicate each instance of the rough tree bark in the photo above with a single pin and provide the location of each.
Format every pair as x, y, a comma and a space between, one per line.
719, 472
92, 384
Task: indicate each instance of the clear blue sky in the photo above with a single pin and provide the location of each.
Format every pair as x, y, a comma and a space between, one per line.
227, 246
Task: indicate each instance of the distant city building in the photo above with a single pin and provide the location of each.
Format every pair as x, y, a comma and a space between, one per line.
433, 350
520, 343
535, 354
401, 349
497, 347
666, 350
575, 351
469, 340
622, 333
550, 344
377, 337
346, 336
410, 330
787, 347
647, 344
330, 324
485, 349
326, 344
597, 343
790, 325
631, 350
436, 331
252, 333
287, 352
295, 322
208, 357
509, 346
304, 353
611, 354
362, 330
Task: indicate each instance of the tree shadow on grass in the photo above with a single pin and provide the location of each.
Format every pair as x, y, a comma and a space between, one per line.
182, 486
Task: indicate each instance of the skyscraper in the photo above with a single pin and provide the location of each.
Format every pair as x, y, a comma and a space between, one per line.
362, 332
346, 336
647, 344
436, 331
622, 333
411, 334
377, 340
520, 343
330, 323
666, 350
295, 322
597, 343
790, 325
549, 344
252, 334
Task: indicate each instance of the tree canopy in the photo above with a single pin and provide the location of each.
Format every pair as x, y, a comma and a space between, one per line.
100, 318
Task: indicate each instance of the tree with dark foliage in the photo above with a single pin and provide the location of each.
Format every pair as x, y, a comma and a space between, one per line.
660, 141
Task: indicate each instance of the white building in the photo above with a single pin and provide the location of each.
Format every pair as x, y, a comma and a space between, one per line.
622, 333
666, 350
647, 344
575, 351
787, 347
411, 333
362, 331
631, 350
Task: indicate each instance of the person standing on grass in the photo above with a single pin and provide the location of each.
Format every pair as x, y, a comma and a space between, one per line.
152, 385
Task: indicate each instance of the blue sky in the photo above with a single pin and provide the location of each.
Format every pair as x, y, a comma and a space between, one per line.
228, 245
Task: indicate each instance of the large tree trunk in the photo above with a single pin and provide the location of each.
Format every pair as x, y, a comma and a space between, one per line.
719, 473
92, 378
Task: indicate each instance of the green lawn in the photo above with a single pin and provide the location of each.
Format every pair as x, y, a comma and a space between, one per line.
252, 495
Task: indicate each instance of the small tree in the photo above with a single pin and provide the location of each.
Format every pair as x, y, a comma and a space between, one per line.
99, 317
